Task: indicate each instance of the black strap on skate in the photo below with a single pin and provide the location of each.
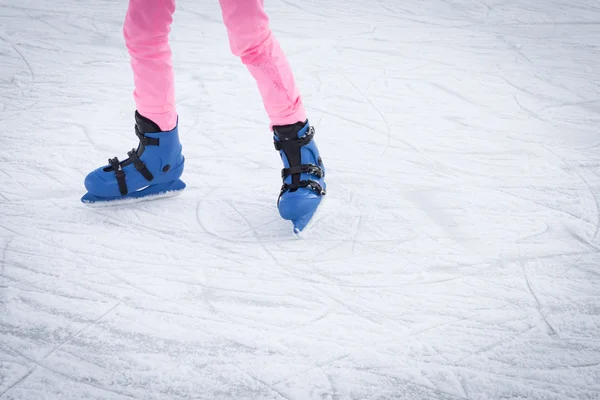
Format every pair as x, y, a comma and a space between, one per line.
303, 169
134, 158
120, 175
303, 184
145, 140
294, 144
139, 165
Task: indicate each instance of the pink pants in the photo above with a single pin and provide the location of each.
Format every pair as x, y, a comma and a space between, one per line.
146, 32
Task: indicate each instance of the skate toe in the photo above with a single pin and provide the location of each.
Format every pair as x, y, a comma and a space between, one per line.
299, 207
97, 183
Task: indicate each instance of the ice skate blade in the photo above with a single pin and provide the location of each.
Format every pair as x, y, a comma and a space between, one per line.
150, 193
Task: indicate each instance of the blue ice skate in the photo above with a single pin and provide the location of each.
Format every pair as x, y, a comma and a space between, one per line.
303, 173
151, 171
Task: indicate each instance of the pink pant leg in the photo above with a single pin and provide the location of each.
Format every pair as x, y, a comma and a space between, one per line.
252, 40
146, 32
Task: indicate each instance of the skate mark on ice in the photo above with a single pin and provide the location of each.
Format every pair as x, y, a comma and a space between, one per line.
515, 48
443, 166
383, 118
334, 391
21, 379
20, 54
235, 236
155, 231
528, 91
3, 262
473, 316
529, 380
582, 103
404, 383
247, 231
456, 94
21, 284
81, 330
17, 181
61, 374
315, 366
369, 315
557, 23
38, 362
290, 271
463, 387
295, 5
391, 12
551, 330
537, 203
263, 383
587, 185
87, 134
530, 113
355, 233
496, 344
582, 240
347, 119
36, 239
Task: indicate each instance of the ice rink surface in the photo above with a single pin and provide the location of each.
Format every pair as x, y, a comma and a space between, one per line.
457, 255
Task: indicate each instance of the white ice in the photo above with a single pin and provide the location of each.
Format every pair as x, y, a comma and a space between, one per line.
457, 255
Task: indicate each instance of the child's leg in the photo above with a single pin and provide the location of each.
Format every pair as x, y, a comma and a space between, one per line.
251, 39
303, 174
146, 31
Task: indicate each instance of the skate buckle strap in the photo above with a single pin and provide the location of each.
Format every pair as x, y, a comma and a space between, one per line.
295, 143
303, 184
144, 140
291, 149
139, 165
303, 169
120, 175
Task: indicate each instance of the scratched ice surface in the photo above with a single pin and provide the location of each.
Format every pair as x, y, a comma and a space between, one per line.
457, 255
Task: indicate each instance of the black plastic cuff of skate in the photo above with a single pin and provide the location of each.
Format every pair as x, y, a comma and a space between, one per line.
288, 145
144, 140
